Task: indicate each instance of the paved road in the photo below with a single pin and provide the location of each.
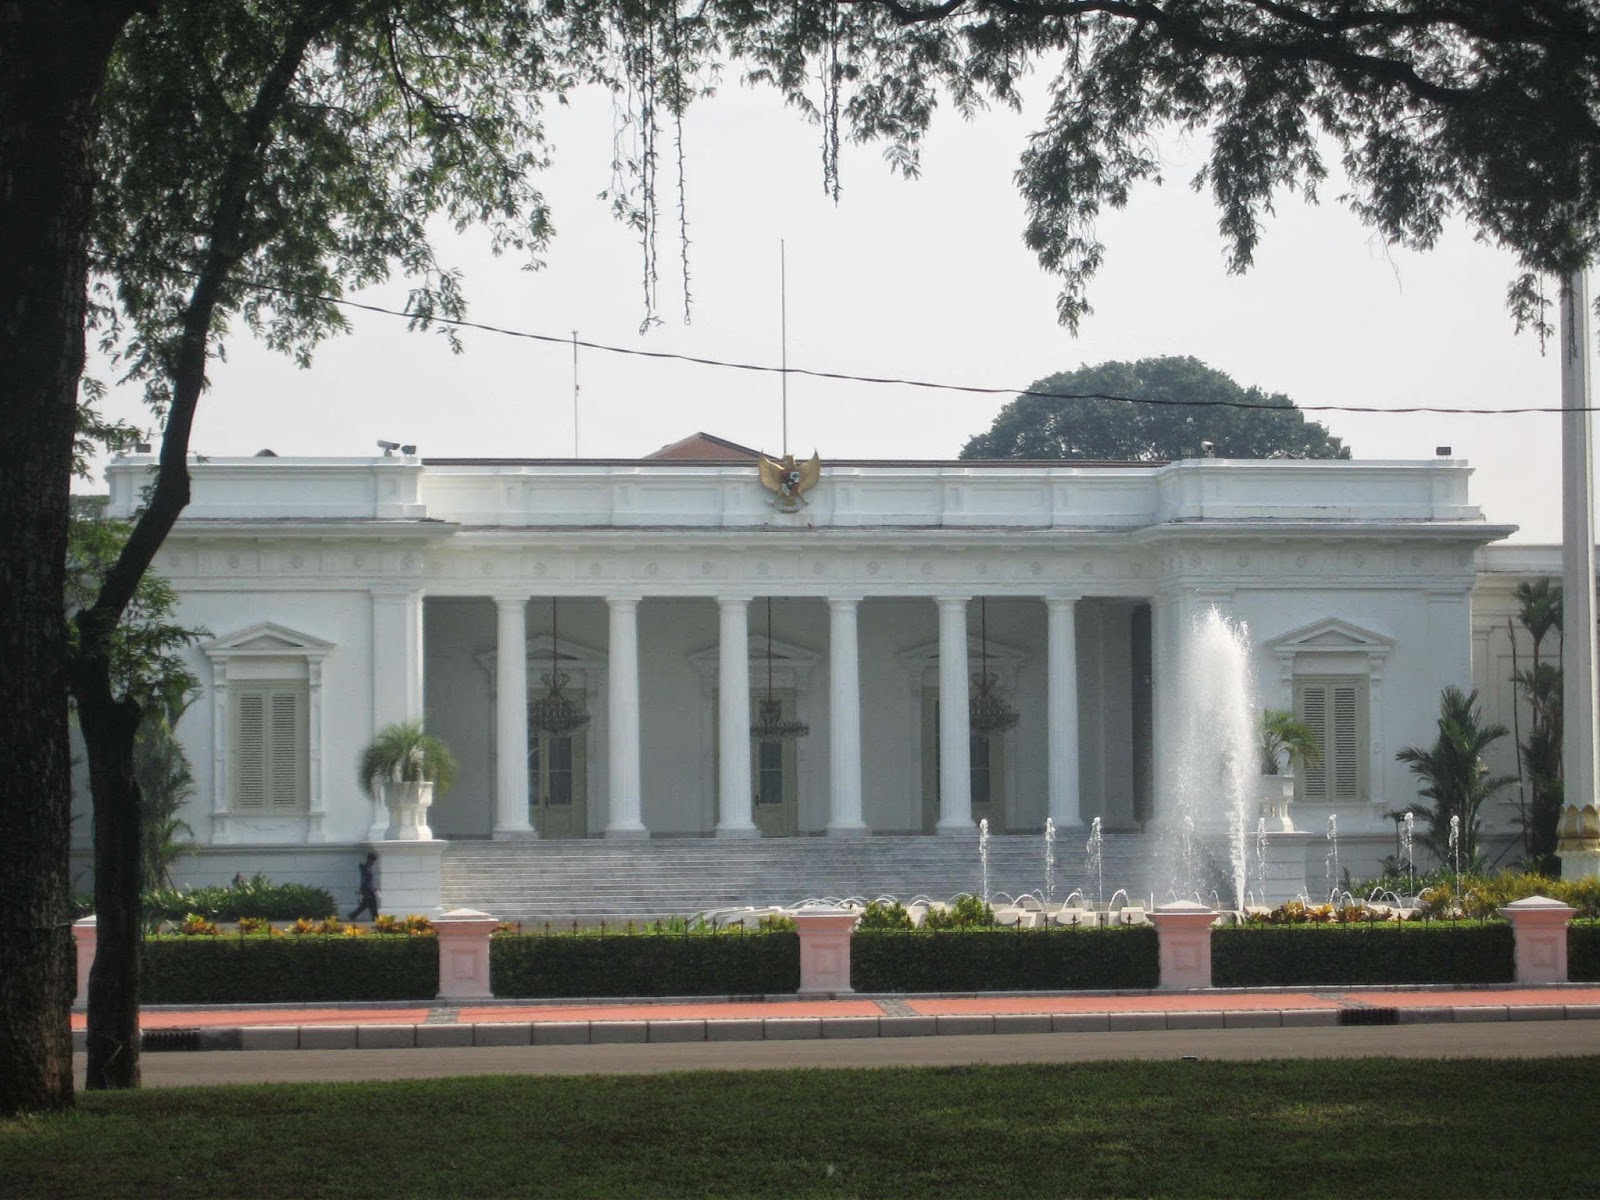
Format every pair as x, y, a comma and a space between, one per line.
1532, 1039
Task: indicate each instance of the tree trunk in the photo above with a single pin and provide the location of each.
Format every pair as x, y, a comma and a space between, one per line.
53, 60
109, 726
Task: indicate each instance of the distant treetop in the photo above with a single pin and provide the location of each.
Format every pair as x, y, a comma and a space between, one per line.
1187, 405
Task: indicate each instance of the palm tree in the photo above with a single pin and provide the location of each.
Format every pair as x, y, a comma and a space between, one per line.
1285, 741
1540, 613
166, 781
1453, 773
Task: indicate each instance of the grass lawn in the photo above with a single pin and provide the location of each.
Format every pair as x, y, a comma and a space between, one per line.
1366, 1128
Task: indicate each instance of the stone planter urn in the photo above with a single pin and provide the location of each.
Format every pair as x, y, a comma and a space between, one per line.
1277, 793
408, 805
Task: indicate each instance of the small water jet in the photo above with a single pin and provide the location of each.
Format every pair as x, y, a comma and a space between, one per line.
983, 855
1408, 853
1094, 862
1049, 860
1330, 868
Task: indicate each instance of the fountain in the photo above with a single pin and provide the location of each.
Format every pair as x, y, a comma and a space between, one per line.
1407, 853
1094, 862
1215, 780
983, 855
1330, 867
1049, 860
1455, 852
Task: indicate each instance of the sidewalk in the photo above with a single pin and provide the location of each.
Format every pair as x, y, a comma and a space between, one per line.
406, 1025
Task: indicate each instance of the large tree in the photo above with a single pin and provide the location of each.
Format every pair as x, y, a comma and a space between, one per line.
1433, 108
1173, 407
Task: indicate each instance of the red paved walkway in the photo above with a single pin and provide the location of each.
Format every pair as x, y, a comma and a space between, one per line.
1574, 1001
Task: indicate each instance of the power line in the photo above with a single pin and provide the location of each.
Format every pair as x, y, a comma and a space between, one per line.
888, 380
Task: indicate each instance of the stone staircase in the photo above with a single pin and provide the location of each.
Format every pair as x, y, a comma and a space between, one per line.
594, 878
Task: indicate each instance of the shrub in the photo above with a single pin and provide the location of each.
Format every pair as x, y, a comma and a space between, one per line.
255, 897
1374, 953
885, 914
968, 912
1583, 951
644, 964
285, 970
978, 959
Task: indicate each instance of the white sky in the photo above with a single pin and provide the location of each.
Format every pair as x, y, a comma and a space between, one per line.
926, 279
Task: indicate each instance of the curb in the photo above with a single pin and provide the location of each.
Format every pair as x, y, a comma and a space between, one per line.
600, 1033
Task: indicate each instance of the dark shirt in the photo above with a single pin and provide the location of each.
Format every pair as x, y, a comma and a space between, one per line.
367, 882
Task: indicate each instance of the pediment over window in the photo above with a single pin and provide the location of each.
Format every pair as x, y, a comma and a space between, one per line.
786, 656
576, 659
1001, 656
1330, 636
268, 640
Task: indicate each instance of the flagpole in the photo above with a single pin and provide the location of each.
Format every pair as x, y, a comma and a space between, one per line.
1578, 662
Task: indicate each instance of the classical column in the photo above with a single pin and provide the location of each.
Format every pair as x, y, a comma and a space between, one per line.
735, 798
511, 719
396, 656
1062, 682
844, 717
955, 746
1163, 699
622, 695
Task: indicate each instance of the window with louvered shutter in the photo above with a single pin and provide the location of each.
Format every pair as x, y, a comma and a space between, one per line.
1334, 709
268, 762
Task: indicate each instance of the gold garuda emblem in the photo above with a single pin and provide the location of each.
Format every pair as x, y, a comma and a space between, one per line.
790, 480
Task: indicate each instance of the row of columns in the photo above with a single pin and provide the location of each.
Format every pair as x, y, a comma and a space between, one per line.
735, 816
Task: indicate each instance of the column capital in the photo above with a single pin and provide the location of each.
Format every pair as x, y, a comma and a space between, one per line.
507, 599
843, 601
949, 602
627, 600
1062, 599
729, 601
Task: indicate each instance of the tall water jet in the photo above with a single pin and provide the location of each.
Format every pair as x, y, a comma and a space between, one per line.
1216, 767
1408, 852
1094, 861
983, 854
1049, 860
1331, 868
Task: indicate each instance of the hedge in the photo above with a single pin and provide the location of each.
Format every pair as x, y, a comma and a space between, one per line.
644, 964
287, 970
1583, 952
1362, 953
982, 960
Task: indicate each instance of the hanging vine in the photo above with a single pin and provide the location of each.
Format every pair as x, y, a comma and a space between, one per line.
831, 72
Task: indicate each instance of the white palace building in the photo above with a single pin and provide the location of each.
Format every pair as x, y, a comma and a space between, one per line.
678, 594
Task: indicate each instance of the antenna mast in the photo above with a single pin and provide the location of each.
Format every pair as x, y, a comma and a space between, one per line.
783, 337
574, 393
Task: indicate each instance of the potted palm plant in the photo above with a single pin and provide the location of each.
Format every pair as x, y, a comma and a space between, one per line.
405, 766
1284, 742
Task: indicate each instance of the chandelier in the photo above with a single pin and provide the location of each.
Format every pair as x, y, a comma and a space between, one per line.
987, 711
769, 725
555, 712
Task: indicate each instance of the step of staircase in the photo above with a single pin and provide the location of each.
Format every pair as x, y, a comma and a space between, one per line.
591, 879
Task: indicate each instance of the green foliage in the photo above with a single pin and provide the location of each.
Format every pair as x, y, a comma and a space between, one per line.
975, 959
406, 754
254, 897
1285, 740
1082, 424
143, 648
880, 914
287, 970
1352, 954
968, 912
166, 781
645, 964
1540, 613
1454, 775
1583, 951
975, 1131
1485, 895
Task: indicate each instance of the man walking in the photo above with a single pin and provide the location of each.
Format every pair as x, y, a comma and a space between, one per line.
368, 887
